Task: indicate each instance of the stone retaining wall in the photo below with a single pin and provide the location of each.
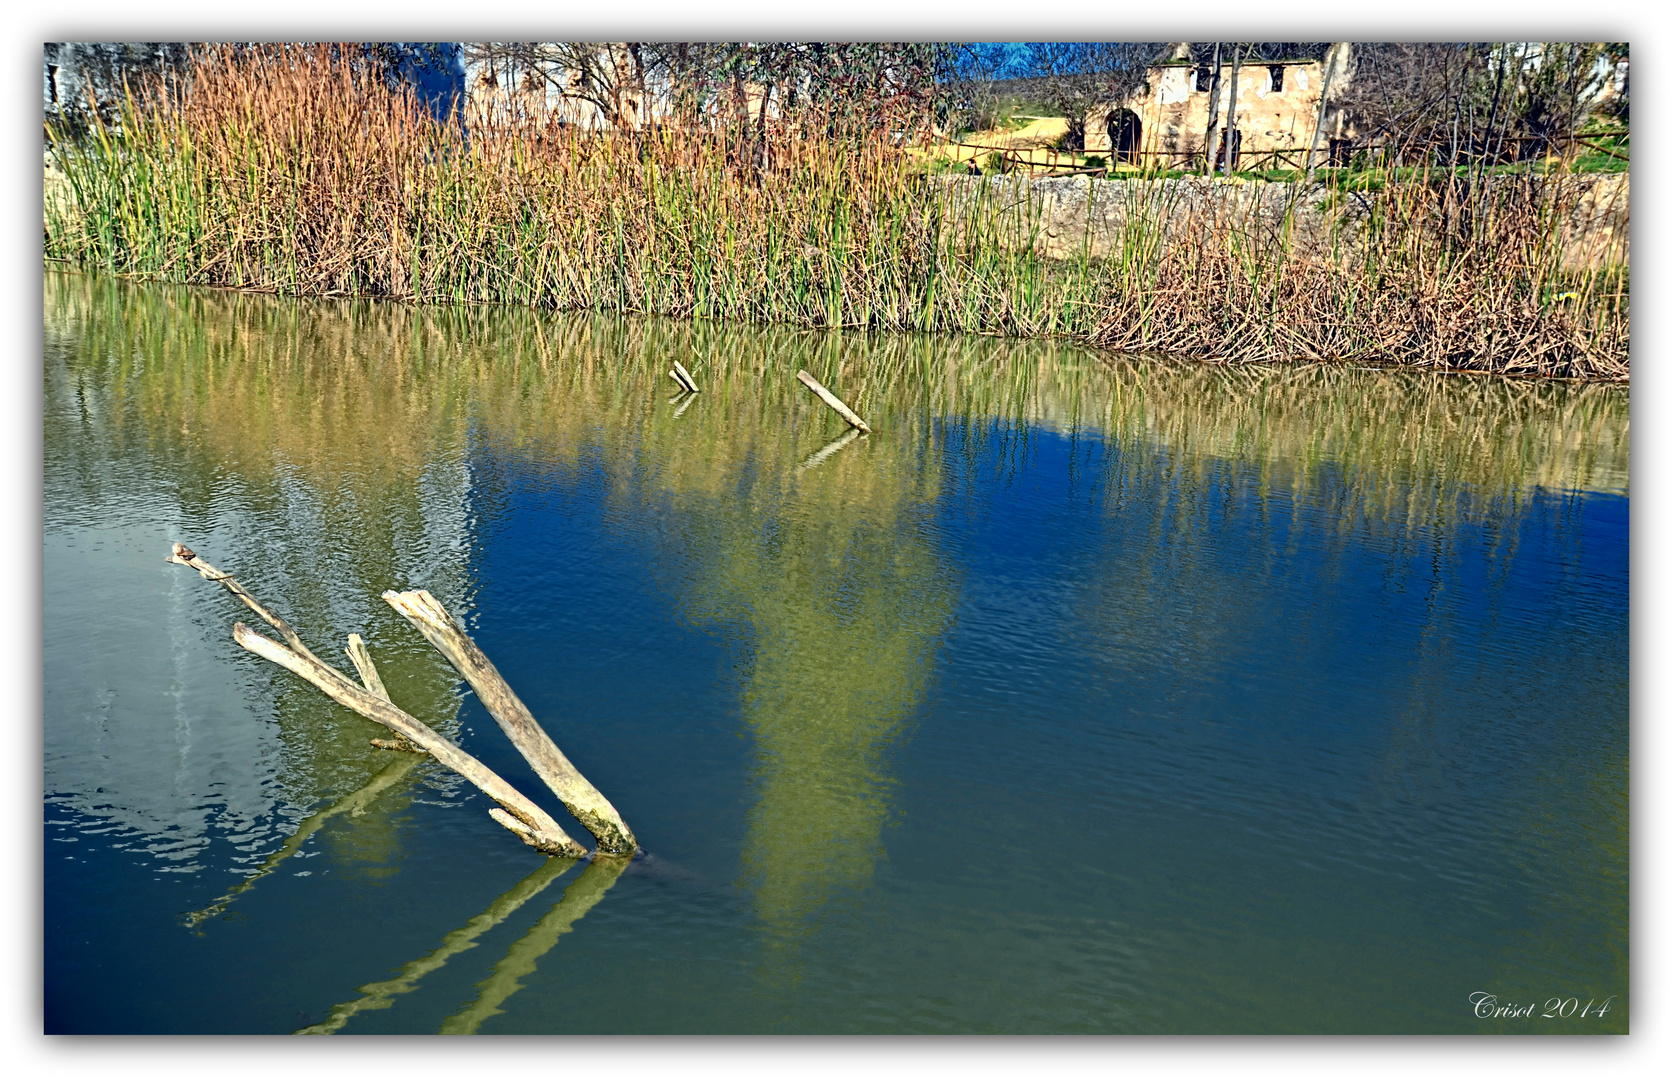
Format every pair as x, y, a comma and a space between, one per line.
1079, 213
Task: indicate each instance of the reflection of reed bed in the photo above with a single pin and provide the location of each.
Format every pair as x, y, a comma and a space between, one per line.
347, 392
289, 172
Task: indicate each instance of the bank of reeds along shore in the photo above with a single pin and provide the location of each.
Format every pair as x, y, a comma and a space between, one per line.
294, 172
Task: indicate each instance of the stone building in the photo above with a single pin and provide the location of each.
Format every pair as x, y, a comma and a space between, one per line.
1165, 120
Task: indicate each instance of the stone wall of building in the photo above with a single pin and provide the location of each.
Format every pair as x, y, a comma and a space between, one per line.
1277, 106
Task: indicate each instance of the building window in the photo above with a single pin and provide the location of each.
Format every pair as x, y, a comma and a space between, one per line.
1202, 78
1277, 73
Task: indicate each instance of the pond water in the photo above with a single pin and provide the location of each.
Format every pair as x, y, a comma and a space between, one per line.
1085, 695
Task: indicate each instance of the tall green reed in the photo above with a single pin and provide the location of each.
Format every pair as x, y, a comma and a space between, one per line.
294, 171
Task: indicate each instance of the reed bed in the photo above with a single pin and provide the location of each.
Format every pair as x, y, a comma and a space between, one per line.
293, 171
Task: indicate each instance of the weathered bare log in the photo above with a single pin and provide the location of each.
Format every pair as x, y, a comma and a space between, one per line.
683, 377
185, 556
833, 401
534, 826
586, 802
522, 817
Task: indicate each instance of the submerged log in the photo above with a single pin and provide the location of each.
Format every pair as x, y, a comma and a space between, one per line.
833, 401
586, 802
516, 812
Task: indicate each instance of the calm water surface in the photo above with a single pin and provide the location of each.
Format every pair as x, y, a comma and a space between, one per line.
1080, 697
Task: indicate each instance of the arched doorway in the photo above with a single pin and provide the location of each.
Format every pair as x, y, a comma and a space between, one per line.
1125, 136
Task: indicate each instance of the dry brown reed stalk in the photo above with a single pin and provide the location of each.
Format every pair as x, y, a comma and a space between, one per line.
302, 171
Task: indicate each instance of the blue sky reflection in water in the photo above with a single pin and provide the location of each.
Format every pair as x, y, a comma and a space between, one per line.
1142, 698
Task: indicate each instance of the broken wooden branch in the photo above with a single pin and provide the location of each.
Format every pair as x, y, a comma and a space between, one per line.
583, 800
515, 812
833, 401
683, 377
532, 825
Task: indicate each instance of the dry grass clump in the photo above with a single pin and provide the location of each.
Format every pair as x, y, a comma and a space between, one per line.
302, 171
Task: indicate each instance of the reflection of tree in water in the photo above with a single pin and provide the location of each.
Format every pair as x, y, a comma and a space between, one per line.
843, 600
828, 574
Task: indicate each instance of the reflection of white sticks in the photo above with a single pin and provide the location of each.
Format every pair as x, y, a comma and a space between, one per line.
684, 404
831, 447
520, 960
380, 995
683, 377
831, 399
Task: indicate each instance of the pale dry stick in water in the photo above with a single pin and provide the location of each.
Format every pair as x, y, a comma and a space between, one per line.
683, 377
516, 812
833, 401
586, 802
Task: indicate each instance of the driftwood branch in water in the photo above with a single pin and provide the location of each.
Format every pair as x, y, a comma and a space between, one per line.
683, 377
583, 800
363, 663
516, 812
832, 400
532, 825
